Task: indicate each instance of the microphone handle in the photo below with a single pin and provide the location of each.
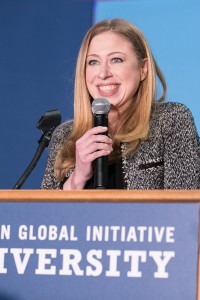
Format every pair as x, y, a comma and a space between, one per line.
101, 163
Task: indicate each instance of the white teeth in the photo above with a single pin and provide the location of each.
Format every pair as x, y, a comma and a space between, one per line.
107, 87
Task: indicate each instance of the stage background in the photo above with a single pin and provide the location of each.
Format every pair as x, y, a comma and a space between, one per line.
40, 40
172, 28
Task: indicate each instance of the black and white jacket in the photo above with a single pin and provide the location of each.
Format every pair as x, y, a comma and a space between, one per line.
168, 159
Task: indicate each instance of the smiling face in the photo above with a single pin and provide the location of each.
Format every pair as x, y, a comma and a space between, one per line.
113, 70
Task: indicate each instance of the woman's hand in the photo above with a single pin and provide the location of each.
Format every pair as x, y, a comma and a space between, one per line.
93, 144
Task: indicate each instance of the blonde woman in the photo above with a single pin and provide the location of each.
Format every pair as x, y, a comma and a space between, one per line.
150, 144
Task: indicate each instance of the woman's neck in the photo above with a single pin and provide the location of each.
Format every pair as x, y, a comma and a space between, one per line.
115, 118
114, 122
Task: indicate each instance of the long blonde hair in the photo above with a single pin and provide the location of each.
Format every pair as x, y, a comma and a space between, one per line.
135, 124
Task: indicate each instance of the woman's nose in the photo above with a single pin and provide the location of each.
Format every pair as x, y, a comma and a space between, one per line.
104, 72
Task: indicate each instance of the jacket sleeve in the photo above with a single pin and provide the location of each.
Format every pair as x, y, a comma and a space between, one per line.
60, 134
181, 150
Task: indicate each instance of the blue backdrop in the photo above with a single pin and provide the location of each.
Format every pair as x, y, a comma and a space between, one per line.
172, 28
39, 42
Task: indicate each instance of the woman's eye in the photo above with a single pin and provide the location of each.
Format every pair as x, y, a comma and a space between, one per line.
117, 60
93, 62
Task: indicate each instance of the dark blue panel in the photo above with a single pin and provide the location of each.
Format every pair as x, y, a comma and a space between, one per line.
39, 42
150, 251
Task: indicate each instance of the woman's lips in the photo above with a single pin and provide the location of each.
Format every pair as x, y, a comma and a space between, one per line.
108, 90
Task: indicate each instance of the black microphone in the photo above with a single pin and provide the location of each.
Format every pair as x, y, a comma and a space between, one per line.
100, 109
47, 123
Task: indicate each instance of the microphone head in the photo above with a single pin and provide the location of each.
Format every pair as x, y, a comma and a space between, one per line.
100, 106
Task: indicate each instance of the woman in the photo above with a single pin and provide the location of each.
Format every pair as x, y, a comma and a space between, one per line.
150, 144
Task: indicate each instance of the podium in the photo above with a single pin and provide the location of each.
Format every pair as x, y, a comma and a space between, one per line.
105, 244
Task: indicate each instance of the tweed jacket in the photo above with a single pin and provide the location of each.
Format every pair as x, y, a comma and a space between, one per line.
168, 159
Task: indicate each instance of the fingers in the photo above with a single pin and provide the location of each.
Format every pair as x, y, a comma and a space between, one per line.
93, 141
94, 150
94, 132
97, 130
93, 136
99, 153
93, 144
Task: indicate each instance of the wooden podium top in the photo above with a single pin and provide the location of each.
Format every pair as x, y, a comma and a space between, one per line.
180, 196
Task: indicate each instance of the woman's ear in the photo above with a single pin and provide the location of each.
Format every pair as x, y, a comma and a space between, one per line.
144, 69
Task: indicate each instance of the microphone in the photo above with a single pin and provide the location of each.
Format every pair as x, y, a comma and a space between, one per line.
47, 123
100, 109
